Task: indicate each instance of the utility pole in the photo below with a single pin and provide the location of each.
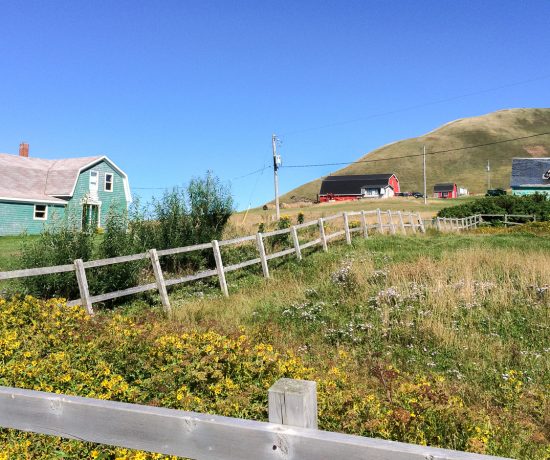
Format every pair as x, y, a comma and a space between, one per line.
424, 166
488, 175
276, 163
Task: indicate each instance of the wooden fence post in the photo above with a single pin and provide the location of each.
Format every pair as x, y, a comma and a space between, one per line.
379, 217
261, 250
322, 233
421, 223
390, 218
83, 285
364, 226
293, 402
438, 223
505, 220
159, 277
296, 242
346, 228
219, 267
401, 222
411, 221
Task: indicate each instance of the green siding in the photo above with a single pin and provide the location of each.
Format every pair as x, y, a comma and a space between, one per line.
16, 218
116, 198
530, 190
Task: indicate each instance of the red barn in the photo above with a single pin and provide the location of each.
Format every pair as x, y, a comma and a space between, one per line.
346, 188
445, 191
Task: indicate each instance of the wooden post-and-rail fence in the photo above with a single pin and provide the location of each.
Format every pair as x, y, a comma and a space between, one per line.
291, 432
465, 223
393, 221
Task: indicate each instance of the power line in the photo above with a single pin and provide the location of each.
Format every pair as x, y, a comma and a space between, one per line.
417, 106
416, 154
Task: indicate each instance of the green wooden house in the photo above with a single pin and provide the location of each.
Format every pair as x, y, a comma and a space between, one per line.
35, 192
530, 175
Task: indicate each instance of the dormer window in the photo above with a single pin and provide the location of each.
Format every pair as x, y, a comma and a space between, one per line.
40, 212
108, 182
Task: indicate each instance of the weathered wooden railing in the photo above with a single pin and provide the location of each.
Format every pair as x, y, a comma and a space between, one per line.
290, 434
466, 223
384, 221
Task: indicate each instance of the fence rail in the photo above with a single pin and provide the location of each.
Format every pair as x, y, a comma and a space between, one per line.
384, 221
290, 434
466, 223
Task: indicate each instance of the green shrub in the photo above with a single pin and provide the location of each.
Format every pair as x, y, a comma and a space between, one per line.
58, 245
117, 241
537, 204
284, 239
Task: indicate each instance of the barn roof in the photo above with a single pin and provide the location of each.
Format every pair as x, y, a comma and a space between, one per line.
446, 187
37, 179
352, 184
530, 172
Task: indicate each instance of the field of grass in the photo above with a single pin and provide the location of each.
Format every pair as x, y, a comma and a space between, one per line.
464, 167
434, 339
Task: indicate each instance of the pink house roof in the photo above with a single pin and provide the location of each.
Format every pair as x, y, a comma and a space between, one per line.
40, 180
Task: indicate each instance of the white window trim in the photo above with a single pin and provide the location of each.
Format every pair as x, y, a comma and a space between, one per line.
112, 182
97, 176
45, 212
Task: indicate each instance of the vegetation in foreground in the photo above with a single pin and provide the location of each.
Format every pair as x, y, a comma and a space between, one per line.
438, 339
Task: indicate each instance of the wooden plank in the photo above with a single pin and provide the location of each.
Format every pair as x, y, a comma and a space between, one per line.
293, 402
74, 303
322, 233
276, 232
364, 225
401, 223
263, 258
310, 243
83, 285
195, 435
246, 263
159, 278
237, 240
355, 229
296, 242
115, 260
307, 224
335, 216
346, 228
390, 220
196, 276
330, 236
36, 271
421, 223
411, 220
123, 292
219, 268
285, 252
196, 247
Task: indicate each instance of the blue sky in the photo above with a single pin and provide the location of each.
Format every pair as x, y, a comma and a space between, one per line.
170, 89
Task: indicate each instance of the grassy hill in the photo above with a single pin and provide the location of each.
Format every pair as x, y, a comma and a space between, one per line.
466, 167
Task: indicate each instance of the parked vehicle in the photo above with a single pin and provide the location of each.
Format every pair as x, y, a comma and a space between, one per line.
418, 195
495, 192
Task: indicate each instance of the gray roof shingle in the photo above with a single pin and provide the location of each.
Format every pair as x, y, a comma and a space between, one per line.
530, 172
37, 179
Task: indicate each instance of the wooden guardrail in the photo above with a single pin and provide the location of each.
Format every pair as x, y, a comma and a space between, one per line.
385, 221
466, 223
291, 432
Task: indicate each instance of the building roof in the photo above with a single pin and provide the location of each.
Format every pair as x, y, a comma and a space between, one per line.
446, 187
41, 180
530, 172
352, 184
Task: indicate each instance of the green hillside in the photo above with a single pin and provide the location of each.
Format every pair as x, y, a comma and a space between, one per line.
466, 167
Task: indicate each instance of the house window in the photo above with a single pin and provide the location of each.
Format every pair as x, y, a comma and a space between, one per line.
40, 212
108, 182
